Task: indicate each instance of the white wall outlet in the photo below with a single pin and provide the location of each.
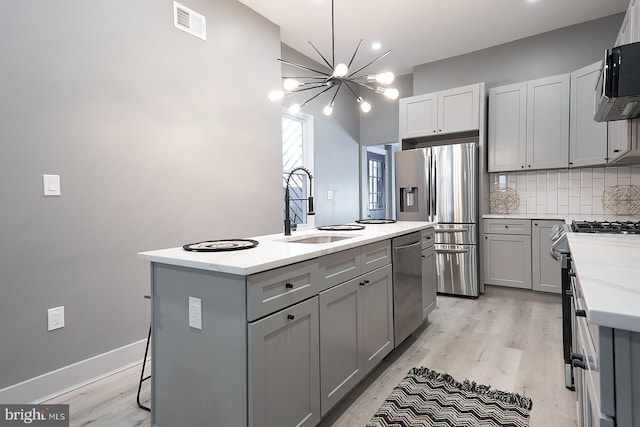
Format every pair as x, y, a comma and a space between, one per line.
330, 195
55, 318
51, 185
195, 312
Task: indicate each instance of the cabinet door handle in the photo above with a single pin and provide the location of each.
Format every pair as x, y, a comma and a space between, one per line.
364, 282
424, 256
616, 151
581, 313
506, 226
288, 285
535, 223
290, 316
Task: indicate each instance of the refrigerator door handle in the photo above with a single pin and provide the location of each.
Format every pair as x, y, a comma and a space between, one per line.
452, 251
452, 230
433, 190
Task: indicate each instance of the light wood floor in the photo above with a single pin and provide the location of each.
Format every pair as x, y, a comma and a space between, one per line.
508, 338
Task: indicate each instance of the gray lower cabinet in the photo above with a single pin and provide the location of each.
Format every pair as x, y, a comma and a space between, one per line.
429, 279
546, 270
284, 367
356, 332
507, 257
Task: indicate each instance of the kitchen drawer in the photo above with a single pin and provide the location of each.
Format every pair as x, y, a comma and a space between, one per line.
507, 226
375, 255
428, 237
339, 267
276, 289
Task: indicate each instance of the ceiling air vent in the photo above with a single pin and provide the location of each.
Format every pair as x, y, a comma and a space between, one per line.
189, 21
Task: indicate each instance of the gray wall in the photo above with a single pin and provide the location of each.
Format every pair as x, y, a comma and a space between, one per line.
160, 139
336, 147
381, 124
555, 52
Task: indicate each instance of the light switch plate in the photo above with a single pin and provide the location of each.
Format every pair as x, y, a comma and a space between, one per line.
195, 312
51, 184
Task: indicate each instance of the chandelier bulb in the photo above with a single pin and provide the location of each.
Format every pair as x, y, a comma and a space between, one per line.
290, 84
276, 95
364, 105
385, 78
328, 109
295, 109
341, 70
392, 93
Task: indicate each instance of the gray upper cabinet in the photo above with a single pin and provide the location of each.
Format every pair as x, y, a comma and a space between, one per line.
548, 122
546, 270
588, 138
284, 367
449, 111
529, 125
507, 127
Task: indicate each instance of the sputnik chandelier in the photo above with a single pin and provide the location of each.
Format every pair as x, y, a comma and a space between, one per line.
339, 76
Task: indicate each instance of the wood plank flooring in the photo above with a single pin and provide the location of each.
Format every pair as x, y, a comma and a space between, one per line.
508, 338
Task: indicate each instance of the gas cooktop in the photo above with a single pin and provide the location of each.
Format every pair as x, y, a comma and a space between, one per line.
612, 227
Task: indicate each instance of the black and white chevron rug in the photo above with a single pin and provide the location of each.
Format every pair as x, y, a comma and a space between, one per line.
429, 398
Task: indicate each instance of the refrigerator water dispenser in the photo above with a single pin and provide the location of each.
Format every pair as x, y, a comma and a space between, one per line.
409, 199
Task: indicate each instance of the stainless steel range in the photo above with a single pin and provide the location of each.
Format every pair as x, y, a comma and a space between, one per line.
614, 227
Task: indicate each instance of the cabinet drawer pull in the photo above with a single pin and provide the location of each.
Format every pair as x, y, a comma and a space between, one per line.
506, 226
290, 316
288, 285
364, 282
581, 313
424, 256
616, 151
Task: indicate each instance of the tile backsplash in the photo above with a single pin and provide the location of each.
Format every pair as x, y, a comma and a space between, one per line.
575, 191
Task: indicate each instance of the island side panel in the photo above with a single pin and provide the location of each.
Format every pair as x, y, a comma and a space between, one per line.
198, 376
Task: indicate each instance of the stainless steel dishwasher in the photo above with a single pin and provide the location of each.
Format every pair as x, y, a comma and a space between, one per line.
407, 285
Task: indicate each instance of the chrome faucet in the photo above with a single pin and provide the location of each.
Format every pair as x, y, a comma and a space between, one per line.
287, 199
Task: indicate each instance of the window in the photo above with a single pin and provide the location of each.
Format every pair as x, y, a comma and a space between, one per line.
376, 181
297, 150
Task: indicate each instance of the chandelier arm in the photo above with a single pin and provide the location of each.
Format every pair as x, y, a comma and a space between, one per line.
321, 56
363, 85
304, 77
365, 66
336, 94
316, 95
352, 91
333, 38
354, 54
316, 86
302, 67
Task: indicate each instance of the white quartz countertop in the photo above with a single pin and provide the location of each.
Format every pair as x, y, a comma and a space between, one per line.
274, 251
608, 268
562, 217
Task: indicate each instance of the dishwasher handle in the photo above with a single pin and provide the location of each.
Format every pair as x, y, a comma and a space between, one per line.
406, 247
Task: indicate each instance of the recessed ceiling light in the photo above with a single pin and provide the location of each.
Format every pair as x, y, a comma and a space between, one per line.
376, 45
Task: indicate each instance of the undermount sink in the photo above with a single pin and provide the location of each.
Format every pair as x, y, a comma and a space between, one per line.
316, 238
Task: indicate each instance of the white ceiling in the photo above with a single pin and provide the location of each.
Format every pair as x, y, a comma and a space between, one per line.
420, 31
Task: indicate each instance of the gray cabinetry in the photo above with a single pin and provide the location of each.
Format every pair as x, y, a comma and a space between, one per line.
507, 148
429, 278
546, 270
284, 383
449, 111
587, 138
356, 332
548, 122
507, 249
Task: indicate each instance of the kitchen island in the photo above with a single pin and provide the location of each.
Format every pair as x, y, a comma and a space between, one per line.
279, 333
606, 319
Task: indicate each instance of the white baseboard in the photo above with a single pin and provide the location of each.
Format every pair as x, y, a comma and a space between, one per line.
63, 380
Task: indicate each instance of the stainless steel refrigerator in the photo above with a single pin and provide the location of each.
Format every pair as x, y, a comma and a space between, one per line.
440, 183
